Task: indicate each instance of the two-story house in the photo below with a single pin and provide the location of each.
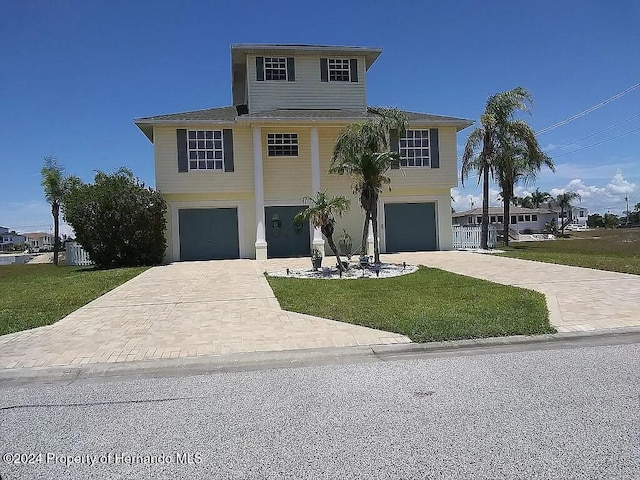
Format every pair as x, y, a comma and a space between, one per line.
234, 177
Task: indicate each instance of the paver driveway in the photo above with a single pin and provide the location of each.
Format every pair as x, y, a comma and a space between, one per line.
579, 299
181, 310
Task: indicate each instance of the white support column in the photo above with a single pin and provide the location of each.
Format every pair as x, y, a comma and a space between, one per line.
318, 241
261, 242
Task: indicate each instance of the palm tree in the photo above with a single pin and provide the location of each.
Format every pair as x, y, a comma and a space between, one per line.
363, 151
55, 187
322, 214
516, 162
563, 201
498, 133
539, 197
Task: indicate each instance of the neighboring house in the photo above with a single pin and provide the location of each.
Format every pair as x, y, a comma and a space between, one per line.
40, 240
10, 238
523, 220
234, 177
579, 216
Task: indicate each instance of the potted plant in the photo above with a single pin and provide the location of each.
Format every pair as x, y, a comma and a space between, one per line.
346, 244
316, 258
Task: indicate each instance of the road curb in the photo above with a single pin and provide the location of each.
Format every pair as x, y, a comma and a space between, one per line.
319, 356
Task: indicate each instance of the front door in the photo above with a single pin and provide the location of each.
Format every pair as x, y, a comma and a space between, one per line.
284, 238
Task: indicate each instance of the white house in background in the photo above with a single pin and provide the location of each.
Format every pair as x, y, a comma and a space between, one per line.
9, 238
523, 220
579, 216
39, 240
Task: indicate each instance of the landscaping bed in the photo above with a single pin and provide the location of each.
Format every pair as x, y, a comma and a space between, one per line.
36, 295
615, 250
428, 305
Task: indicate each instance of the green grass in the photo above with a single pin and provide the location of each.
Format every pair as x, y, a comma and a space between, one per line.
615, 250
36, 295
428, 305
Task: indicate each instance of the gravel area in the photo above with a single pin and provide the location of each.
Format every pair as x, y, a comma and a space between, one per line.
386, 270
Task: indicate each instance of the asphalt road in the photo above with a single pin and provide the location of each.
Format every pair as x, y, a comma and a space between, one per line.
566, 413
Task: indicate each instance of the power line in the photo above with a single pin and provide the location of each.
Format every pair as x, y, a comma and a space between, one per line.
593, 134
588, 110
598, 143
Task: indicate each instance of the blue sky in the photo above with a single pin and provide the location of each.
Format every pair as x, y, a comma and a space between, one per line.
73, 75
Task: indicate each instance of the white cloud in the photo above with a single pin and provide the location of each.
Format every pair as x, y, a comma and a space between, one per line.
609, 197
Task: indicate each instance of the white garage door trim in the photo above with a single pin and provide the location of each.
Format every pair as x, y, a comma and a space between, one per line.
175, 222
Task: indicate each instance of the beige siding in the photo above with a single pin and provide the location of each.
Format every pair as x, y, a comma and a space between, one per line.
307, 91
169, 180
287, 179
420, 177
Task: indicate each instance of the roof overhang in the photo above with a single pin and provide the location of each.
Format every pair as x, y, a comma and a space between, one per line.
146, 126
239, 51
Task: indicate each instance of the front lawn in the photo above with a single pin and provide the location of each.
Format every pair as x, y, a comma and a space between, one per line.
428, 305
616, 250
36, 295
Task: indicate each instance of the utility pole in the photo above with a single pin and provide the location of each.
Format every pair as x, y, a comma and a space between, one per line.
626, 197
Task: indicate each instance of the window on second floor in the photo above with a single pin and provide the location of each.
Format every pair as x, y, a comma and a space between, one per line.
414, 148
282, 144
275, 68
339, 70
205, 149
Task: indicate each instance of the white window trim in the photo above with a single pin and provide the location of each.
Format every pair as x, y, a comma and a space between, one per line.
206, 170
347, 60
286, 69
406, 159
297, 144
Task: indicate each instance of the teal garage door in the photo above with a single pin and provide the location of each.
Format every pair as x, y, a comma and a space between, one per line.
284, 238
208, 233
410, 227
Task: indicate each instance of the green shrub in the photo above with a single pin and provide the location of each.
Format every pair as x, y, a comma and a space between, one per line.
118, 221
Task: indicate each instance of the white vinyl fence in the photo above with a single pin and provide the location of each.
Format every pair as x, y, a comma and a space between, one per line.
76, 255
468, 236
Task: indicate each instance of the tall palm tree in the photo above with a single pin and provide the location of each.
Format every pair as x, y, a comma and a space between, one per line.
364, 152
498, 131
563, 201
519, 161
322, 214
539, 197
55, 187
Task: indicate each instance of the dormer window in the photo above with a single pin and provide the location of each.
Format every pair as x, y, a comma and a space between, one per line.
278, 69
338, 70
275, 68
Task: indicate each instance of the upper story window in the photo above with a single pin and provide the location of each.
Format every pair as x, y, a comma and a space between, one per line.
339, 70
205, 149
414, 148
275, 68
282, 144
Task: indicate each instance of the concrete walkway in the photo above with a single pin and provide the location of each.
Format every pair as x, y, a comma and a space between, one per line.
181, 310
579, 299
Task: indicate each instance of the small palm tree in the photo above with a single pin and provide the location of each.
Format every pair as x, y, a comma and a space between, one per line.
363, 151
322, 214
539, 197
490, 143
563, 201
55, 187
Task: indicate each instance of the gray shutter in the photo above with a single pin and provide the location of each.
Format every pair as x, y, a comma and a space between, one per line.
394, 140
260, 69
353, 66
434, 148
227, 140
183, 160
291, 69
324, 70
